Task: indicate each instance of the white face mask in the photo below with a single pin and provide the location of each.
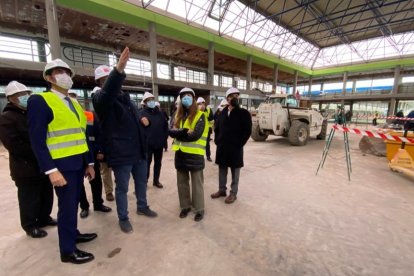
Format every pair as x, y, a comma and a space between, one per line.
64, 81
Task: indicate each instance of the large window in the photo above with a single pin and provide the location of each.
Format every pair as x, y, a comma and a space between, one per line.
188, 75
138, 67
22, 49
407, 79
226, 81
241, 84
163, 71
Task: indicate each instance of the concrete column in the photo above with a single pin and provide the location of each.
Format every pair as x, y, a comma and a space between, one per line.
310, 86
397, 81
153, 57
353, 87
275, 76
210, 70
53, 28
295, 82
344, 80
249, 72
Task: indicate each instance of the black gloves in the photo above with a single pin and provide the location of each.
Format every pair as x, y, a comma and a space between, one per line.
178, 134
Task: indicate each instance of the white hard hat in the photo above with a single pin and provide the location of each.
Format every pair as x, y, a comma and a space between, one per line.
15, 87
232, 90
102, 71
142, 102
200, 100
157, 104
56, 63
147, 95
187, 90
223, 102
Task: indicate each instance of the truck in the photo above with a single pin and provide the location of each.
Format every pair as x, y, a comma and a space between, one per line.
281, 115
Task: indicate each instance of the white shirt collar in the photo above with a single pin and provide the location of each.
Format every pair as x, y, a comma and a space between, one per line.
60, 95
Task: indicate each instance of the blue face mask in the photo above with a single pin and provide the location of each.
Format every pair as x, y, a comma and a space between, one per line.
187, 101
23, 100
151, 104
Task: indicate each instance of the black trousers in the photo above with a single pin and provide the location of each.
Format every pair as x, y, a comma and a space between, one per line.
35, 196
96, 187
208, 152
68, 200
157, 153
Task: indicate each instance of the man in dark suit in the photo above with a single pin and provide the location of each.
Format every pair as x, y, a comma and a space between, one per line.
232, 130
57, 133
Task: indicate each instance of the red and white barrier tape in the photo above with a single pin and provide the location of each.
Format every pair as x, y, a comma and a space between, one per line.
374, 134
385, 117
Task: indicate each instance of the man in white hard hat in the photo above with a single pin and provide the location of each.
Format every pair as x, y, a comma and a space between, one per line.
34, 192
56, 130
201, 103
101, 74
125, 144
157, 135
232, 130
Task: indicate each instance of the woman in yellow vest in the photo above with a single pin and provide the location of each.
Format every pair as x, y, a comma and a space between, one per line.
190, 130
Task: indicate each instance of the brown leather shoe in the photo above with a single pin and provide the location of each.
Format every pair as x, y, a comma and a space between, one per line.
230, 199
218, 194
110, 197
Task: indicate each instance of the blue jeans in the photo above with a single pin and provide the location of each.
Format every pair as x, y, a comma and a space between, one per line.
122, 174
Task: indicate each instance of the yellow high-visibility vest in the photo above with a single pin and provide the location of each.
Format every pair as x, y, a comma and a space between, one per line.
196, 147
210, 123
65, 133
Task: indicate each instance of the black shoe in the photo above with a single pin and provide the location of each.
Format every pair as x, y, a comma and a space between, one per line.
103, 208
77, 257
209, 159
84, 213
37, 233
199, 216
184, 212
158, 185
50, 222
87, 237
147, 212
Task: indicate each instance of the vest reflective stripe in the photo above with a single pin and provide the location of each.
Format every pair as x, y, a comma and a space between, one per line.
58, 133
196, 147
66, 144
65, 133
210, 123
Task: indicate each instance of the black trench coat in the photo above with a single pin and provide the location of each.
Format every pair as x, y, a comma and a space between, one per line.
231, 134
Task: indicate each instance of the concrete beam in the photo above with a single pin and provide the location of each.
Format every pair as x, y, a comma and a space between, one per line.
249, 72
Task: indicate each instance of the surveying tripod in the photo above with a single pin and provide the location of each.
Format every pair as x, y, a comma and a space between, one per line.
339, 120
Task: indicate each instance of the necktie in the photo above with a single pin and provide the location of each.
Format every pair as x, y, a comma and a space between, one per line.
72, 107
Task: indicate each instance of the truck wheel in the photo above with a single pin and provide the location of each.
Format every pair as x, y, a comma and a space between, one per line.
324, 129
298, 133
257, 135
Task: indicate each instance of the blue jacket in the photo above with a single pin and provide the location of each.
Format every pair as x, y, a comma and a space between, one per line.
123, 136
157, 131
39, 116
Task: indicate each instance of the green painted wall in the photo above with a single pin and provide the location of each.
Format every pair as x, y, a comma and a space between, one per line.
128, 14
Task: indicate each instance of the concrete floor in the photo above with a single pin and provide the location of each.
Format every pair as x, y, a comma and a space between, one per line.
286, 221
